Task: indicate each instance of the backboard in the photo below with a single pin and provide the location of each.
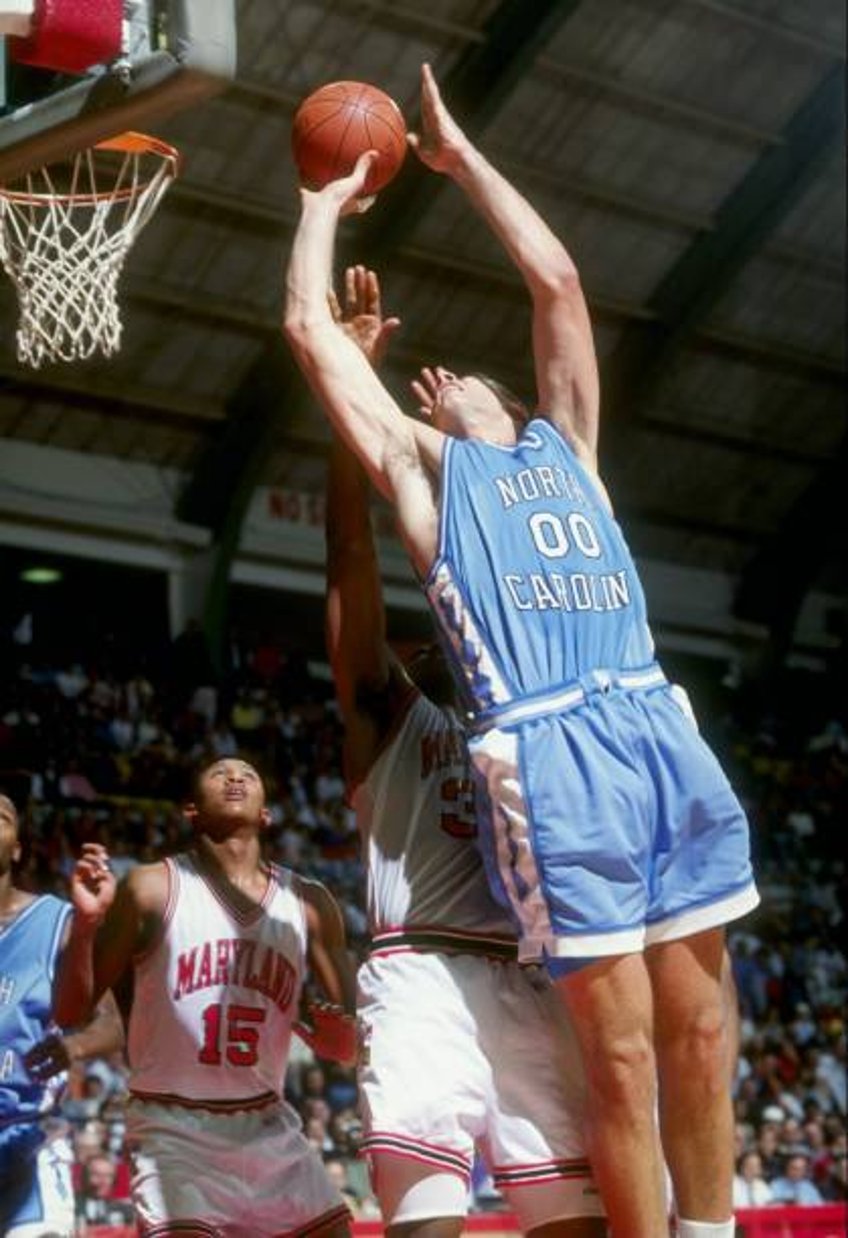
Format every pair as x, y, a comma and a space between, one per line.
171, 54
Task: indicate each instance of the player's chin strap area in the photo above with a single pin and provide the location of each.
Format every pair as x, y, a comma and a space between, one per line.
570, 696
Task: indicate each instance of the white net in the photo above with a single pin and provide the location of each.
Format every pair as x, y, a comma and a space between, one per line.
64, 235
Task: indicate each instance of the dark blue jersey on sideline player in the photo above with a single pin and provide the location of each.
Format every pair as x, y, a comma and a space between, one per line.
533, 583
29, 948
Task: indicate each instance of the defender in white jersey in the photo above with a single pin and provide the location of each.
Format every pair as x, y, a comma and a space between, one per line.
36, 1193
624, 849
461, 1049
219, 943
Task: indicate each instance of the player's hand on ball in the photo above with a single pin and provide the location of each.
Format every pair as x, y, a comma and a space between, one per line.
441, 142
346, 193
93, 883
361, 315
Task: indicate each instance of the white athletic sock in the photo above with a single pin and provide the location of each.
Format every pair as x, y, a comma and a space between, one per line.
705, 1229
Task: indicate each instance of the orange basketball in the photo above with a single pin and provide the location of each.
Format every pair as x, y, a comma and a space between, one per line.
336, 123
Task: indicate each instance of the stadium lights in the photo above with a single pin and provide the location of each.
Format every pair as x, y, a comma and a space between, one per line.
41, 575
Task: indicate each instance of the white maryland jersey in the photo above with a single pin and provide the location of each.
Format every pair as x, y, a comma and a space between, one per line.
216, 996
415, 811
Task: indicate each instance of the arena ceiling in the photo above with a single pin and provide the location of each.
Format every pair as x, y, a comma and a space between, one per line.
689, 152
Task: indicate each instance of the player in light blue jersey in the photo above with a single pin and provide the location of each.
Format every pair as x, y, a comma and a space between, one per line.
36, 1197
612, 833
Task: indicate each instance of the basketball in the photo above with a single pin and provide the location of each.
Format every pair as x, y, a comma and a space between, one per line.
336, 123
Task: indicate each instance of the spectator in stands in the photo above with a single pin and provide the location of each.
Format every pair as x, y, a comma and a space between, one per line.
89, 1140
750, 1189
767, 1146
96, 1200
74, 784
795, 1186
831, 1071
834, 1184
89, 1098
336, 1170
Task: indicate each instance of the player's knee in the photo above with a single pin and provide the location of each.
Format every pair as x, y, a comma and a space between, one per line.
699, 1044
622, 1067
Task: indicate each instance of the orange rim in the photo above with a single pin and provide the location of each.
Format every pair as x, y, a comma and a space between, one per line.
124, 143
139, 143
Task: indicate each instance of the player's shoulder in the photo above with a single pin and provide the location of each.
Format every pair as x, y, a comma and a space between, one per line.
309, 888
51, 902
51, 907
149, 885
319, 904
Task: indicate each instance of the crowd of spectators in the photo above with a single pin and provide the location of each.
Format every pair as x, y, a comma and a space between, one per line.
98, 752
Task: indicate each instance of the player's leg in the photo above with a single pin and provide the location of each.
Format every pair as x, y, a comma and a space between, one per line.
572, 1227
695, 1043
703, 882
418, 1200
534, 1142
731, 1010
421, 1090
611, 1008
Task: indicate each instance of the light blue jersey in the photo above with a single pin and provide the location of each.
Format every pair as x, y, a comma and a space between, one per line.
605, 820
533, 584
34, 1180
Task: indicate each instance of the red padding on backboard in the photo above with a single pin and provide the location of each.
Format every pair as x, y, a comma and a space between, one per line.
71, 35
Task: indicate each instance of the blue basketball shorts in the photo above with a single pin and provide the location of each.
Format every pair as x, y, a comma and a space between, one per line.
610, 826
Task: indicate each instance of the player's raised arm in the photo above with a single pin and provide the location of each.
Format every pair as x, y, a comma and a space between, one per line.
111, 923
367, 680
331, 1027
566, 367
355, 618
360, 408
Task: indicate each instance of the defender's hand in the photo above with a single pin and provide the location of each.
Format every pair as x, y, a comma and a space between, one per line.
361, 316
331, 1033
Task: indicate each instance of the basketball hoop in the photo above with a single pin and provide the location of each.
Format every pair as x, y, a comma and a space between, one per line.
65, 231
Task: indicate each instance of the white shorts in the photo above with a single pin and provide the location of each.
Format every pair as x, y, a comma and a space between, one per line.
249, 1174
461, 1051
42, 1201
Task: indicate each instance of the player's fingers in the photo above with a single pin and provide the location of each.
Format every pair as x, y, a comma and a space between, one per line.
372, 294
430, 379
362, 289
89, 866
94, 851
365, 162
364, 203
335, 308
419, 391
350, 289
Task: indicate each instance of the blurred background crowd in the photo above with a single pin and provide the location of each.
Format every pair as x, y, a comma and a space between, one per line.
98, 747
